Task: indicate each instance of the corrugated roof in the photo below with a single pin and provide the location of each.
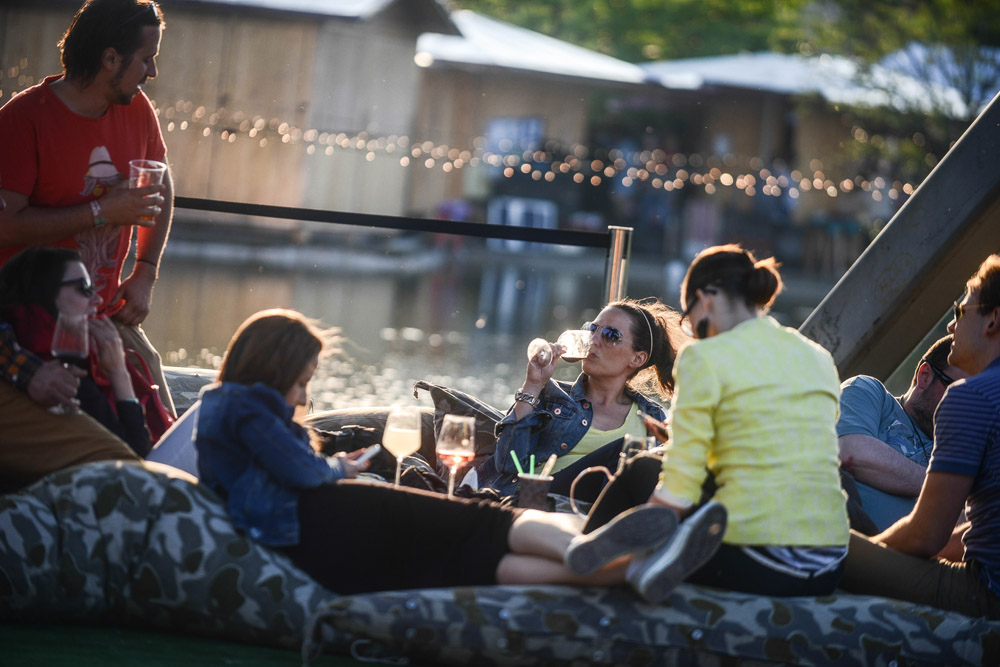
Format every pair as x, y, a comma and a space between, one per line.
491, 43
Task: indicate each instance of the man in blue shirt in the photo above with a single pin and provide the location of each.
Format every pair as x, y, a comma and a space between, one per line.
964, 471
885, 442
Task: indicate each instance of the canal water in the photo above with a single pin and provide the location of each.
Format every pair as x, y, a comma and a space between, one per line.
452, 311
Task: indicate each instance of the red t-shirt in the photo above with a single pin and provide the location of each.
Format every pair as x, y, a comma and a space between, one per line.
58, 158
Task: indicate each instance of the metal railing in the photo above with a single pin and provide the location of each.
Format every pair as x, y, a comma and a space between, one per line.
617, 241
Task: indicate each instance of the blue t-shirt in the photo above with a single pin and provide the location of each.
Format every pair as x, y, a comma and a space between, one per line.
867, 408
967, 442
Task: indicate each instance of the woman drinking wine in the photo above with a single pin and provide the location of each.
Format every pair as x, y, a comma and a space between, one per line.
38, 284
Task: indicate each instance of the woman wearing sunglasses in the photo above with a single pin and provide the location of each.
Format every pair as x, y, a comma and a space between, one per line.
35, 286
756, 406
633, 347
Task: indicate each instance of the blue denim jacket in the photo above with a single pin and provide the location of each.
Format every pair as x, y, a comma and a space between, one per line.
252, 454
558, 422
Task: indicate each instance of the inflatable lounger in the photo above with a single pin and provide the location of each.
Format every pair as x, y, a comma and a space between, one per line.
145, 546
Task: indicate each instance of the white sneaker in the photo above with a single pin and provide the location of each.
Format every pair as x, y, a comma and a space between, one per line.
639, 530
694, 543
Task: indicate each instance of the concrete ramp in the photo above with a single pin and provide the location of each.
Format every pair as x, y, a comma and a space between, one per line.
911, 273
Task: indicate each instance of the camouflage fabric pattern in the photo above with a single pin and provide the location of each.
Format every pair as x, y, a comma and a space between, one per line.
140, 545
552, 625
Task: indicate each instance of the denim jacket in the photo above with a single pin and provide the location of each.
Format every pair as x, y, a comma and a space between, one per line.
255, 457
558, 422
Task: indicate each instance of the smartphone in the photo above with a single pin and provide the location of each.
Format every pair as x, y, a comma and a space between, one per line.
654, 427
368, 453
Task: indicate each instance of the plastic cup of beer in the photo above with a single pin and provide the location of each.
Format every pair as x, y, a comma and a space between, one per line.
145, 172
533, 491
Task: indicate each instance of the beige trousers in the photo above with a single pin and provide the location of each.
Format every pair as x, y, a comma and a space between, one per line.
35, 442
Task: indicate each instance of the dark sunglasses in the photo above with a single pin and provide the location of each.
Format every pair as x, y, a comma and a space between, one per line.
944, 377
960, 309
609, 335
83, 286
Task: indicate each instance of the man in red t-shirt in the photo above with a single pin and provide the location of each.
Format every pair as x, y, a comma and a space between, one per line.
67, 143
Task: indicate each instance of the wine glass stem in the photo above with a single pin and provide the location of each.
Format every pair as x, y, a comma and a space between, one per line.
451, 480
399, 467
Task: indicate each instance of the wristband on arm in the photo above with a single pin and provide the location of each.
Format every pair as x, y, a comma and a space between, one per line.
95, 209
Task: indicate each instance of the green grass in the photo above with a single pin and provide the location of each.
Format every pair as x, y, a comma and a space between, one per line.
57, 645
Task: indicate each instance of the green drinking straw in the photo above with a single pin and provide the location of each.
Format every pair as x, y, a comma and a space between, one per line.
517, 464
531, 466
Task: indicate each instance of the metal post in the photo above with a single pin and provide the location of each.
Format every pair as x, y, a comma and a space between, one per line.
619, 254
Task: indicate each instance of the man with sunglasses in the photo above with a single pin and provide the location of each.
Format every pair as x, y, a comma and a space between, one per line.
67, 143
885, 441
964, 473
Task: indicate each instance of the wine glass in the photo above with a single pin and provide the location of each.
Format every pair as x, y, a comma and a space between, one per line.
456, 445
70, 345
402, 434
575, 342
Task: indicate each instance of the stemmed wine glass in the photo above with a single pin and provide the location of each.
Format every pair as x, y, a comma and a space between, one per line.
575, 342
456, 445
402, 434
70, 345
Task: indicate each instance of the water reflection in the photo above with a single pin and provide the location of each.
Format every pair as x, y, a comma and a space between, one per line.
464, 324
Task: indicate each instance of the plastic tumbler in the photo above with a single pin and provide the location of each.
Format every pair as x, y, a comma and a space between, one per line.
145, 172
533, 491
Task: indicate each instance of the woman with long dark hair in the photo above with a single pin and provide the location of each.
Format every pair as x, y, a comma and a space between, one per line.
35, 286
632, 351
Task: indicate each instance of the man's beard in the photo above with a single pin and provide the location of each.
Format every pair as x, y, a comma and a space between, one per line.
122, 97
923, 414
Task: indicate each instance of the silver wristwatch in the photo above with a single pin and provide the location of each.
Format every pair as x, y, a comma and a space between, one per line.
525, 397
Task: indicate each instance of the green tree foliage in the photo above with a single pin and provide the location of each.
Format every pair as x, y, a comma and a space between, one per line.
644, 30
951, 48
957, 49
959, 42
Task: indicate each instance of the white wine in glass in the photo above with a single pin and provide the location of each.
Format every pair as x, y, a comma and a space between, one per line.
402, 434
456, 445
575, 344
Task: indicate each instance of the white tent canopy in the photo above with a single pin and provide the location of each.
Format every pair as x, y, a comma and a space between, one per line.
488, 42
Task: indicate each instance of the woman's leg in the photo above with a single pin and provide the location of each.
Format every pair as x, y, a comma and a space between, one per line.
545, 534
538, 541
521, 569
356, 537
544, 545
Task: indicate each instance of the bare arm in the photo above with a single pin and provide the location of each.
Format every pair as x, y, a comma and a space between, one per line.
111, 357
955, 550
137, 289
535, 380
879, 465
152, 240
23, 224
927, 529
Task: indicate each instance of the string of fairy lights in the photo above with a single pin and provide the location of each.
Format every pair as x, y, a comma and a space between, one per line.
658, 169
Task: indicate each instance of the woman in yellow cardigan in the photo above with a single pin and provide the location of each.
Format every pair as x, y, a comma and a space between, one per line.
755, 405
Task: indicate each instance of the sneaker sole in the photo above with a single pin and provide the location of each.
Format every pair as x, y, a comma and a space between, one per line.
643, 529
695, 542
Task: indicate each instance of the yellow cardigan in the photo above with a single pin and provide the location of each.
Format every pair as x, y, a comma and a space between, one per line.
757, 405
